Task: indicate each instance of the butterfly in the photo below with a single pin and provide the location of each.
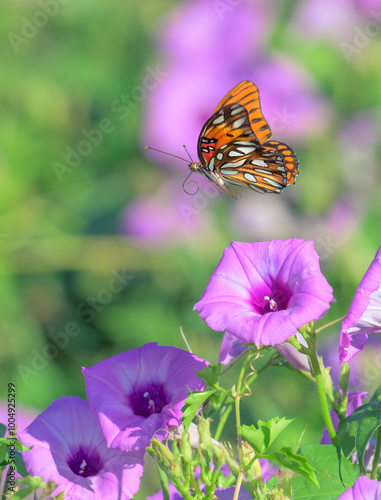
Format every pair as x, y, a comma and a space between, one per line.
234, 146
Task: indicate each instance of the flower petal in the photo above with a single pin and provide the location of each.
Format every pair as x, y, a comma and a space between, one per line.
67, 429
263, 292
139, 393
364, 314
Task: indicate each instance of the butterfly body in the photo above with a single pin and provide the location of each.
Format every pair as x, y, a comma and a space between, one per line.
234, 147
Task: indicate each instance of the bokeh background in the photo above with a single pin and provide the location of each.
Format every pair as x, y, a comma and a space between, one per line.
101, 249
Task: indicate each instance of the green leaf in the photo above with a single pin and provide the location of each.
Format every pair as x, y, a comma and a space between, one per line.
193, 404
210, 374
334, 473
357, 429
33, 483
3, 430
20, 465
285, 457
3, 452
262, 438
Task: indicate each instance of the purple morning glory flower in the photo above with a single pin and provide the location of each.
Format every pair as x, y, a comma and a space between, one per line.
364, 314
363, 489
223, 35
263, 292
139, 393
70, 450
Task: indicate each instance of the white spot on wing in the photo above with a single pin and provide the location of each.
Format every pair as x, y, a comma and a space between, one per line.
250, 177
218, 120
238, 122
246, 150
236, 111
260, 171
274, 183
234, 153
259, 163
245, 143
233, 165
219, 156
229, 172
211, 165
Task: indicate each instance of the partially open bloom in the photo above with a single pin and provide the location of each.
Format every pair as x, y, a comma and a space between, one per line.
263, 292
363, 489
364, 314
139, 393
70, 450
232, 347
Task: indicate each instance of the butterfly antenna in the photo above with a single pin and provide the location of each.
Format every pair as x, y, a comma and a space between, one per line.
190, 182
165, 153
184, 146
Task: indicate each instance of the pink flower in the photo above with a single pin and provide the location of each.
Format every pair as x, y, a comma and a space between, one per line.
363, 489
70, 450
364, 314
140, 393
222, 35
262, 293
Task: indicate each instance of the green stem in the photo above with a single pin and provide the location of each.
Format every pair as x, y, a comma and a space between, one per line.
222, 422
376, 455
329, 324
321, 391
238, 421
238, 485
163, 482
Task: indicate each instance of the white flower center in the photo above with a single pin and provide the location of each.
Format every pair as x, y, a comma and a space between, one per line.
272, 304
82, 467
151, 403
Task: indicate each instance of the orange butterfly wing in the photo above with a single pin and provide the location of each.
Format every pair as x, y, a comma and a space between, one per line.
233, 146
247, 95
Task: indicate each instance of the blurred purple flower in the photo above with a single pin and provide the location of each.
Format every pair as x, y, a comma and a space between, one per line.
177, 110
354, 401
295, 110
358, 142
311, 19
222, 35
231, 347
69, 449
369, 8
363, 489
23, 417
139, 393
166, 217
262, 293
220, 53
364, 314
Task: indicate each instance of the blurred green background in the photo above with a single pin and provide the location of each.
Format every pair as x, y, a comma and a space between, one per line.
66, 231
